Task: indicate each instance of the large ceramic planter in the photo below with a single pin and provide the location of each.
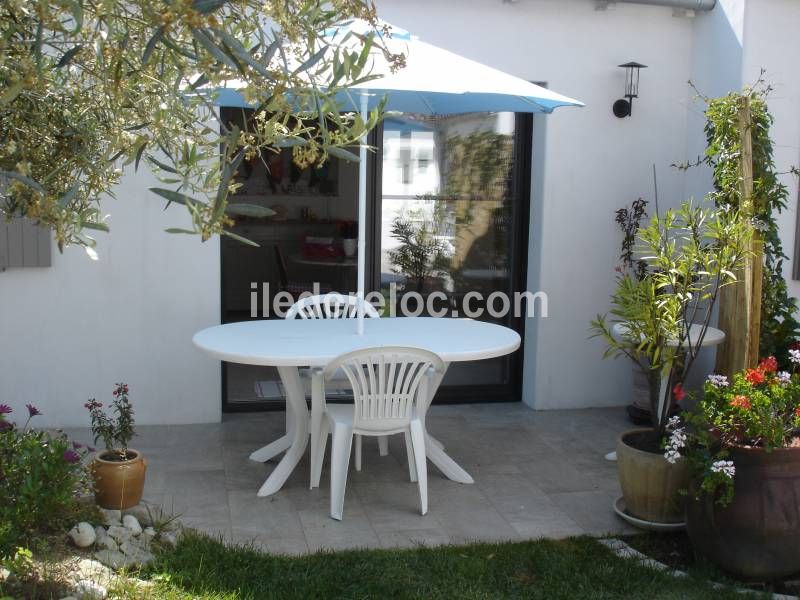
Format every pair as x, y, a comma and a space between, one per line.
118, 484
757, 536
651, 486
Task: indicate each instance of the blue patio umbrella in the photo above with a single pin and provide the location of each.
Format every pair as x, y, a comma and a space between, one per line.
434, 81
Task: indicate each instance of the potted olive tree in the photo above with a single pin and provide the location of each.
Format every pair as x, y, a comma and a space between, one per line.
659, 320
118, 471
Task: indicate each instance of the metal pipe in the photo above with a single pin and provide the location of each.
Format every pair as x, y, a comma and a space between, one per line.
704, 5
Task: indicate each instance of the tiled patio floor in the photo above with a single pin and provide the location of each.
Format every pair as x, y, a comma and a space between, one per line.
536, 474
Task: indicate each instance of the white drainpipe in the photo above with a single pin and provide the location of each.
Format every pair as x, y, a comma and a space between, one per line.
704, 5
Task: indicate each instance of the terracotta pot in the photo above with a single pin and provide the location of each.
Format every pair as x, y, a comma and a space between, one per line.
757, 536
118, 484
650, 485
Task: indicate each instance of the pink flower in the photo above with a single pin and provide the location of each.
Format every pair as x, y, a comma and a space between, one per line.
71, 456
32, 410
5, 426
5, 409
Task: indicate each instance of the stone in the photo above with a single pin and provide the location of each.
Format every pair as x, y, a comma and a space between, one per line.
146, 514
132, 523
108, 543
113, 558
149, 532
111, 517
119, 533
89, 590
69, 598
82, 535
170, 538
92, 570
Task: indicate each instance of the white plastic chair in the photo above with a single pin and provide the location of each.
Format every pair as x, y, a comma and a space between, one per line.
332, 306
390, 395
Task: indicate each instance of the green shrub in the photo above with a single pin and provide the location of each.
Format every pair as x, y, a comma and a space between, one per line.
40, 476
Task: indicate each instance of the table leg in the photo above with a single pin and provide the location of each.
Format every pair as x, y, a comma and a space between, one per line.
296, 403
434, 448
282, 444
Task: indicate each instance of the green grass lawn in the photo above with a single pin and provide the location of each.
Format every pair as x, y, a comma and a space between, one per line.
203, 568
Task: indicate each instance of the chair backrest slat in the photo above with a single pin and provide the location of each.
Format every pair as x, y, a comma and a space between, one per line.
330, 306
388, 383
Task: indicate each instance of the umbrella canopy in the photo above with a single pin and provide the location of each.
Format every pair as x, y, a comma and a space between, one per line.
434, 81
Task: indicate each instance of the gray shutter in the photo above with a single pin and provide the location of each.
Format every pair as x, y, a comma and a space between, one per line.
24, 244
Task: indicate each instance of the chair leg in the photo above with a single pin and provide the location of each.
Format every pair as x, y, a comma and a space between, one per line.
316, 473
358, 452
412, 470
418, 440
317, 416
383, 445
340, 459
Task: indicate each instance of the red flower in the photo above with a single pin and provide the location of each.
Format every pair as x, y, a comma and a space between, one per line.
678, 392
768, 365
755, 376
797, 412
741, 402
795, 345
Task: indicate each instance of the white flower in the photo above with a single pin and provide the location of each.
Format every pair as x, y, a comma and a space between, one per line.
718, 380
760, 225
672, 456
794, 356
673, 422
784, 377
725, 467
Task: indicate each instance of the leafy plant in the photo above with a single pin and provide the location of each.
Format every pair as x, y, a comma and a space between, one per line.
117, 432
759, 408
88, 88
40, 477
629, 221
421, 252
690, 253
779, 325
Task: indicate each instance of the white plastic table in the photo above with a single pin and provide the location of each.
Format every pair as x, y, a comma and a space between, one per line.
289, 344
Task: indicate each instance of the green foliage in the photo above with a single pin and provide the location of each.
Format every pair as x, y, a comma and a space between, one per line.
117, 432
40, 475
690, 253
421, 253
779, 325
759, 408
88, 88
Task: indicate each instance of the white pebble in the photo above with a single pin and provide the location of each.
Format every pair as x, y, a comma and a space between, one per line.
82, 535
111, 516
89, 590
132, 523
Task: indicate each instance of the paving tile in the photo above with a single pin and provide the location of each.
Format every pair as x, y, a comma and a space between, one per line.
273, 517
285, 545
592, 511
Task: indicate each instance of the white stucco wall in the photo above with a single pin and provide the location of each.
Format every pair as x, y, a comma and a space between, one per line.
69, 332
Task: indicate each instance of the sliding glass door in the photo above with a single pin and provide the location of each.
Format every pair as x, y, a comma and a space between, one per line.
450, 229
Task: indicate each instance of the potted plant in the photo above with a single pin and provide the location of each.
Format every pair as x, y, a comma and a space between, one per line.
660, 321
742, 444
118, 471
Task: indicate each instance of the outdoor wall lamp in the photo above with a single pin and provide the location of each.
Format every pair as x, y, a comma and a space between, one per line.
624, 108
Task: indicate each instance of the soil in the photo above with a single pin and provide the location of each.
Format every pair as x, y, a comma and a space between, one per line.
675, 551
646, 441
114, 456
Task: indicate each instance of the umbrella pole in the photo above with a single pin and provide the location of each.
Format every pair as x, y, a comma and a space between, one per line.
362, 217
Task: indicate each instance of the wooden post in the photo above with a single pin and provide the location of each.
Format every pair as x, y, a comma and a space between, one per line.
740, 303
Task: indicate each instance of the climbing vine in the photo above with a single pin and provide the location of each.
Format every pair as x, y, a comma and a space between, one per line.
779, 326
